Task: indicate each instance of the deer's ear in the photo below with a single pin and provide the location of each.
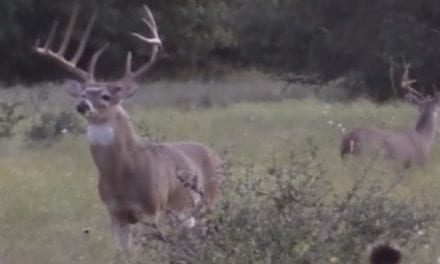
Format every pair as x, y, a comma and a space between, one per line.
129, 90
74, 88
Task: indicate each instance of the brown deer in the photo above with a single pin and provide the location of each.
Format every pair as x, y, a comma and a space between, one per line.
137, 177
410, 147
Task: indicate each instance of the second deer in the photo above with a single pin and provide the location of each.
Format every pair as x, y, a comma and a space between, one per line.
411, 147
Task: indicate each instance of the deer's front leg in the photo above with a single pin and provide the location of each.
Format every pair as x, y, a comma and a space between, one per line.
121, 234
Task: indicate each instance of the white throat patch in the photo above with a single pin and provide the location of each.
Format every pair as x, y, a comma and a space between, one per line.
100, 134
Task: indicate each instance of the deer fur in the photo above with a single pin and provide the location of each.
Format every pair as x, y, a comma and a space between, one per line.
138, 179
411, 147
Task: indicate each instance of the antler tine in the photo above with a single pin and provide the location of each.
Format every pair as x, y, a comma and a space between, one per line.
155, 41
412, 94
51, 36
406, 82
94, 61
37, 44
150, 16
412, 98
128, 63
145, 39
69, 29
151, 23
62, 62
80, 50
59, 57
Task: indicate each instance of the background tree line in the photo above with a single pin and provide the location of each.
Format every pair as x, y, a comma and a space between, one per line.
364, 40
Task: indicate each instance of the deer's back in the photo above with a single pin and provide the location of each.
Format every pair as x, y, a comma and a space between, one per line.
400, 146
405, 147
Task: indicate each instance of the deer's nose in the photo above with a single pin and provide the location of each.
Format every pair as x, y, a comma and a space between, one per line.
82, 107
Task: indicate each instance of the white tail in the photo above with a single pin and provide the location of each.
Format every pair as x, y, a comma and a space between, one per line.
137, 177
410, 147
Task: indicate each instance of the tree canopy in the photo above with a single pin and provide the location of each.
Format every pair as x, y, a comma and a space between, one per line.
330, 38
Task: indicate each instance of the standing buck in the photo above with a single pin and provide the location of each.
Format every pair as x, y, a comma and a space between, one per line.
137, 178
411, 147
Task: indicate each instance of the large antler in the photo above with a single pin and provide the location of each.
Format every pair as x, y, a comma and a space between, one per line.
59, 55
131, 75
412, 95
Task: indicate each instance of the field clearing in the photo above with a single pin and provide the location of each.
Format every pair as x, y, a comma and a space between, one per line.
48, 191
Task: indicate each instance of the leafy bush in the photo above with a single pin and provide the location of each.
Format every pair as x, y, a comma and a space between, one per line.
51, 126
9, 118
291, 215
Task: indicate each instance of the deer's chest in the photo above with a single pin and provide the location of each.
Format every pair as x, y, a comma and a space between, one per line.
100, 135
132, 208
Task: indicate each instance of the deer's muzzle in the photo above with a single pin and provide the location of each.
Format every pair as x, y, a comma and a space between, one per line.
83, 107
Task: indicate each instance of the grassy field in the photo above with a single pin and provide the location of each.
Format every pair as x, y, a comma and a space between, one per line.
48, 191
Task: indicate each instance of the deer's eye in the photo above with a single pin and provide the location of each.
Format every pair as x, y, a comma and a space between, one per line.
106, 97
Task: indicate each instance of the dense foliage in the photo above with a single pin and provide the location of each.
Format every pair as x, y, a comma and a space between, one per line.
331, 38
296, 220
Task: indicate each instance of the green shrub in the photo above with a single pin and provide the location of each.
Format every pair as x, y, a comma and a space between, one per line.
291, 215
51, 126
10, 116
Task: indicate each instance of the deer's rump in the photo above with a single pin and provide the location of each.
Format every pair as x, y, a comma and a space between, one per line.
204, 165
362, 140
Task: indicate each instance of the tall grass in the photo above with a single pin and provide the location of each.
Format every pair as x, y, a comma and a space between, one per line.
48, 192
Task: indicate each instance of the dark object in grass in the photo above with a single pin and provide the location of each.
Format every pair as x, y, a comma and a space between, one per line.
86, 230
385, 254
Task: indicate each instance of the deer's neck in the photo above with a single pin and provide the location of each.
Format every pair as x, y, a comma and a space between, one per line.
112, 142
425, 129
426, 124
124, 171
